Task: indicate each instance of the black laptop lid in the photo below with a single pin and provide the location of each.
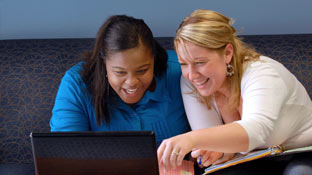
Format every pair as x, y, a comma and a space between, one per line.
129, 152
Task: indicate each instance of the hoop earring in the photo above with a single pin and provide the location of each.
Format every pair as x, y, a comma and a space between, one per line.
230, 70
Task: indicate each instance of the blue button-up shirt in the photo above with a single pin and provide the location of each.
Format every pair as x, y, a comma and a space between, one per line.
160, 111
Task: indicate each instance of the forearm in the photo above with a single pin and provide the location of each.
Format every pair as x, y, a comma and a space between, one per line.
229, 138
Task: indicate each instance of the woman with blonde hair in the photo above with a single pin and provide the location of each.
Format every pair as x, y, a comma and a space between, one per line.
236, 99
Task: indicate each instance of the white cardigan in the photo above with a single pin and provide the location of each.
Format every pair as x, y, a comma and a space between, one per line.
276, 108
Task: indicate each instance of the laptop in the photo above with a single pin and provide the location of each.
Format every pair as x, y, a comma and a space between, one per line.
95, 153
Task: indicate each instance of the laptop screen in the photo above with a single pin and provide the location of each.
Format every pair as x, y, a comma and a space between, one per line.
128, 152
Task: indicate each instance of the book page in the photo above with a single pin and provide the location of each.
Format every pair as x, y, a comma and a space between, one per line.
295, 150
187, 168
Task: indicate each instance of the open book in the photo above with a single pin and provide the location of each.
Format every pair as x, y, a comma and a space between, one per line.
269, 152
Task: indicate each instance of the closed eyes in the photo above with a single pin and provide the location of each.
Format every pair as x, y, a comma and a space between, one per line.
142, 71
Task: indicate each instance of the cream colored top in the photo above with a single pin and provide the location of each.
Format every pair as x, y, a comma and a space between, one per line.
276, 108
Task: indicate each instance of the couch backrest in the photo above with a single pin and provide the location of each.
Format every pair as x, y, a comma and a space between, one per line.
31, 70
294, 51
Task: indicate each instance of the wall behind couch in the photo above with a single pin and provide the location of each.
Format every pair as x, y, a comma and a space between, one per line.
31, 19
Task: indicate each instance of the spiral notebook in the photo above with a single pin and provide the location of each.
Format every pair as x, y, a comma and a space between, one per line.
269, 152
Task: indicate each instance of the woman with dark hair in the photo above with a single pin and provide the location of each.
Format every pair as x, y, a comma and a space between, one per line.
127, 82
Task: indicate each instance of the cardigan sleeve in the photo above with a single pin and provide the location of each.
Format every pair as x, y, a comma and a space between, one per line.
263, 92
198, 115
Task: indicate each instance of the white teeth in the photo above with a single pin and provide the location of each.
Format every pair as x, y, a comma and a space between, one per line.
200, 83
131, 91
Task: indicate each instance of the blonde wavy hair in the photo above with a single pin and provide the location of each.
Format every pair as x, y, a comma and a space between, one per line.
213, 30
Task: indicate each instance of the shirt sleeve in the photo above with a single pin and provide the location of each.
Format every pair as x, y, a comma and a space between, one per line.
263, 93
69, 112
199, 116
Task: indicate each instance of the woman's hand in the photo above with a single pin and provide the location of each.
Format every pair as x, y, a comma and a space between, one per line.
224, 158
172, 151
210, 157
207, 157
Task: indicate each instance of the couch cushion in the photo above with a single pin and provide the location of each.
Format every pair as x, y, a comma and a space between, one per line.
17, 169
30, 71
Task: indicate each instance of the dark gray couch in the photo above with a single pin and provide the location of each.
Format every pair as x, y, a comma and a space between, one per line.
30, 71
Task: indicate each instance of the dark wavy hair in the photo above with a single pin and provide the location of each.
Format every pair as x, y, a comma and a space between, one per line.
118, 33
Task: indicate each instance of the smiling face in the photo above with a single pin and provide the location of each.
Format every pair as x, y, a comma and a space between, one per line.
130, 73
205, 68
